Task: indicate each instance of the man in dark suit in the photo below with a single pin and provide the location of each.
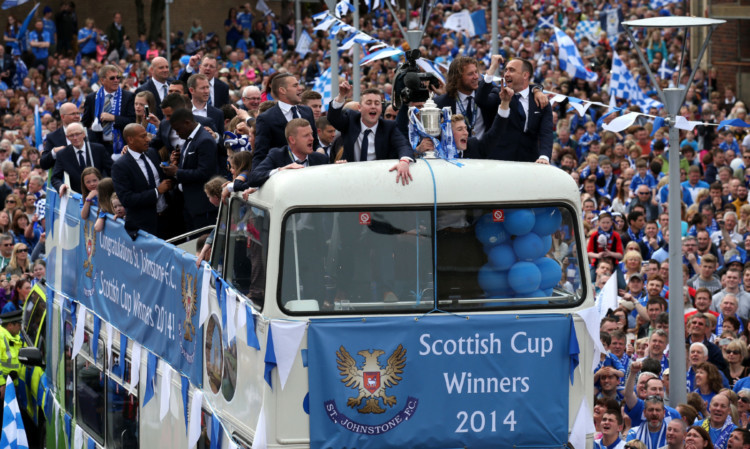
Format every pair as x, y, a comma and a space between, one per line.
166, 136
270, 125
219, 90
78, 155
140, 184
474, 96
367, 136
106, 128
330, 145
192, 167
7, 67
526, 129
56, 140
199, 92
298, 153
158, 85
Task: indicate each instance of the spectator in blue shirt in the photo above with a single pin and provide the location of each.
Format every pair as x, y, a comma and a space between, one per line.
40, 42
694, 184
729, 143
87, 37
50, 27
643, 176
142, 46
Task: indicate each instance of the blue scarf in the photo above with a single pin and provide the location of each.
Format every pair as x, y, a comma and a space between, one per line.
117, 143
634, 236
720, 442
720, 321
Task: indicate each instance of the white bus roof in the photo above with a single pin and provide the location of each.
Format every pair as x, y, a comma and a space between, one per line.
477, 181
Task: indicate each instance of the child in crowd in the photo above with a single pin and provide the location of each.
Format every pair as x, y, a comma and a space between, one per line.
90, 177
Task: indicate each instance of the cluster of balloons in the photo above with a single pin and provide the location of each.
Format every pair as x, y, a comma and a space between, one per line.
516, 248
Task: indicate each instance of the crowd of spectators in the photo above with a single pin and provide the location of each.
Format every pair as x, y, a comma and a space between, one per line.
223, 80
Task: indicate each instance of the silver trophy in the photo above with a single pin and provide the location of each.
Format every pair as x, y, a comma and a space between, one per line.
430, 117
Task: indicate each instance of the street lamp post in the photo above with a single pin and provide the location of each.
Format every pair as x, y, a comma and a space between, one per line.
673, 98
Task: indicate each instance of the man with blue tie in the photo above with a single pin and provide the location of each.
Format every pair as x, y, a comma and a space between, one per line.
526, 129
107, 111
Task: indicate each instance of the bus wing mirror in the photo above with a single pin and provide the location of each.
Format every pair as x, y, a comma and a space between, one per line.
30, 356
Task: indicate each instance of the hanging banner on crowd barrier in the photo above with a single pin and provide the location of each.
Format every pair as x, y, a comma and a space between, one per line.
145, 288
441, 381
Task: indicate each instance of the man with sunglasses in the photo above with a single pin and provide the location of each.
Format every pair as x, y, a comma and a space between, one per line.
653, 431
636, 406
107, 111
6, 249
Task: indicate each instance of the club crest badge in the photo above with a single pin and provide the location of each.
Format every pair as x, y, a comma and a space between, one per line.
189, 303
90, 244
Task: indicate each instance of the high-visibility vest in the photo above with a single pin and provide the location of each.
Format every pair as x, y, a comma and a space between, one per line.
9, 347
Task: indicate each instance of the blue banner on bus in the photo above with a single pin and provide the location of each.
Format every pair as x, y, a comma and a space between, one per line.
147, 289
441, 381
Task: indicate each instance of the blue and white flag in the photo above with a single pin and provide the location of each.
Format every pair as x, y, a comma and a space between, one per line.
303, 44
263, 7
569, 58
664, 72
38, 129
323, 87
475, 23
25, 27
610, 22
385, 52
659, 4
14, 434
589, 28
430, 67
7, 4
343, 8
356, 38
622, 85
546, 22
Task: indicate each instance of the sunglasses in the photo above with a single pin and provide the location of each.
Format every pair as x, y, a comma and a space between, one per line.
114, 78
745, 399
22, 250
11, 202
732, 351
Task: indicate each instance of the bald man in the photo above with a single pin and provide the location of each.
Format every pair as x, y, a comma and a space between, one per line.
251, 100
57, 140
159, 83
75, 157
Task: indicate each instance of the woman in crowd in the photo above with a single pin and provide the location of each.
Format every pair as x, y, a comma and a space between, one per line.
698, 438
735, 353
19, 261
20, 292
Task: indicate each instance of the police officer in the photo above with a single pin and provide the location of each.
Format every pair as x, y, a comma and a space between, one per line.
10, 344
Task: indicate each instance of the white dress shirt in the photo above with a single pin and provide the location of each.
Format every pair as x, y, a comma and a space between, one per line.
286, 108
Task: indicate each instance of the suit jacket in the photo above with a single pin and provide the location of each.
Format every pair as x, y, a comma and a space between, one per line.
127, 114
389, 142
67, 162
220, 92
138, 198
197, 166
161, 139
8, 66
517, 145
487, 108
269, 131
151, 87
53, 140
277, 158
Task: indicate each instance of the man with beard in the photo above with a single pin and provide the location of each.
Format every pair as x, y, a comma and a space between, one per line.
653, 431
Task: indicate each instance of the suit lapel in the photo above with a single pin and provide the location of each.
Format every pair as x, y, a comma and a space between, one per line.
380, 144
354, 129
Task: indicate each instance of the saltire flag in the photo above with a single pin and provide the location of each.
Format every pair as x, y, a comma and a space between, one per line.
664, 72
303, 44
343, 8
659, 4
7, 4
24, 28
263, 7
623, 85
589, 28
475, 23
430, 67
38, 129
569, 58
546, 22
13, 434
323, 87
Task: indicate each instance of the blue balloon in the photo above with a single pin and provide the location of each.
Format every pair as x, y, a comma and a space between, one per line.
548, 220
524, 277
551, 272
534, 294
185, 60
501, 257
529, 247
519, 221
493, 282
546, 244
489, 232
548, 292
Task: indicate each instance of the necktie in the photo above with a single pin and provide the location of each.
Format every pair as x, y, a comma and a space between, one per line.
163, 90
184, 151
364, 148
107, 127
470, 110
211, 94
149, 174
520, 110
81, 159
294, 112
297, 161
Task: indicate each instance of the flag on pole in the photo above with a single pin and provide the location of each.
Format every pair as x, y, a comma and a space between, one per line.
610, 22
589, 28
385, 52
430, 67
25, 26
7, 4
569, 58
323, 87
659, 4
623, 85
263, 7
664, 72
546, 22
303, 44
13, 434
38, 129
